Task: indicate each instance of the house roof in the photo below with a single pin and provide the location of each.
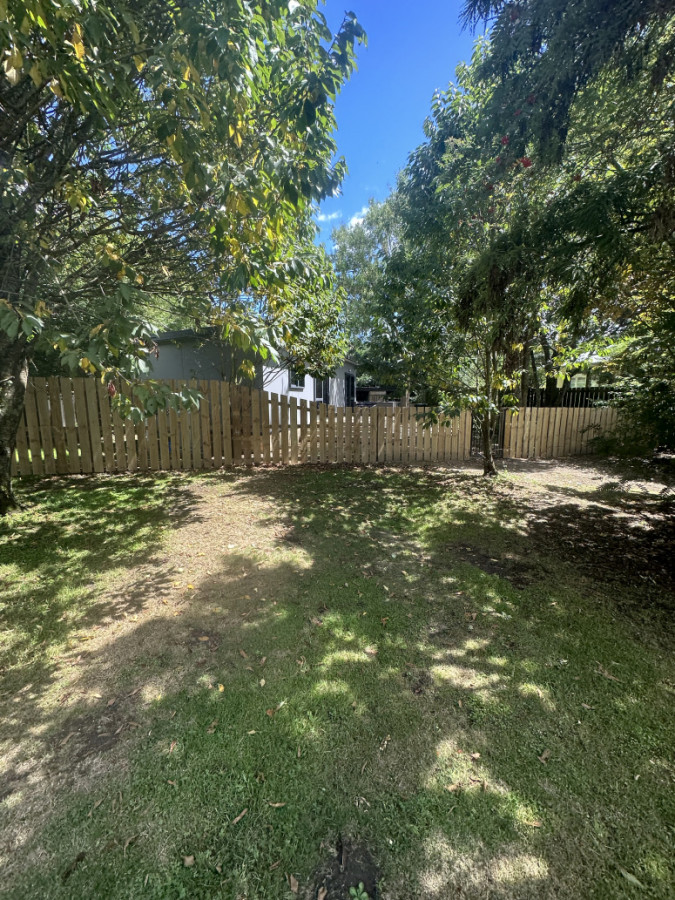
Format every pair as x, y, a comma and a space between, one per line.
185, 334
190, 334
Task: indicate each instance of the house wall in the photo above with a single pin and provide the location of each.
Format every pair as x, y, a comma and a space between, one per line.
277, 380
337, 383
186, 359
203, 358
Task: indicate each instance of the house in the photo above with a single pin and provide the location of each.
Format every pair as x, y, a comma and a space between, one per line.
188, 354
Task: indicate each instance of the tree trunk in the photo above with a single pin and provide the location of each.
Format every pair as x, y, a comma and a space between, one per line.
13, 379
486, 424
488, 459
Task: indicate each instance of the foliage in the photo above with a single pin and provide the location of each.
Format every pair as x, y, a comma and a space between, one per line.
585, 91
160, 159
187, 142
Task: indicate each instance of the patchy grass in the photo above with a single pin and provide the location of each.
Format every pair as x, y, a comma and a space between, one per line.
449, 686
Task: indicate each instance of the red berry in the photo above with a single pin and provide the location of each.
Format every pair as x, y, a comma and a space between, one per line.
526, 161
505, 140
112, 390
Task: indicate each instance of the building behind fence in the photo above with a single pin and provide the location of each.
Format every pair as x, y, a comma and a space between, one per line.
70, 426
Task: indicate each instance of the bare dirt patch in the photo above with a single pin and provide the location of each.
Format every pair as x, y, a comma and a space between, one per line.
349, 864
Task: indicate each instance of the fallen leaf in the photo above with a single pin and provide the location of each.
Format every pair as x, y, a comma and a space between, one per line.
384, 620
221, 688
204, 637
171, 782
240, 816
262, 682
299, 753
219, 869
270, 712
263, 661
453, 787
252, 732
276, 805
128, 842
172, 713
475, 756
322, 894
173, 746
74, 864
370, 651
293, 882
67, 738
112, 702
212, 727
316, 621
95, 806
275, 865
630, 878
363, 767
535, 823
190, 587
188, 861
586, 706
545, 756
603, 671
243, 654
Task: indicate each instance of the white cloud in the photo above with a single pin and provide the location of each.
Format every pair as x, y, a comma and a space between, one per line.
325, 217
358, 217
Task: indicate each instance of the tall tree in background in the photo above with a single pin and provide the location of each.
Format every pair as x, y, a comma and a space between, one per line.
153, 155
584, 88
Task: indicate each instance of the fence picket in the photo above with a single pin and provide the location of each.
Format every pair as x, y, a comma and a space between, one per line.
256, 427
264, 427
285, 456
304, 433
45, 425
293, 422
174, 434
57, 428
332, 449
323, 434
226, 407
340, 412
216, 424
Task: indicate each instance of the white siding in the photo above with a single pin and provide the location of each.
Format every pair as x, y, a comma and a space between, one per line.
277, 380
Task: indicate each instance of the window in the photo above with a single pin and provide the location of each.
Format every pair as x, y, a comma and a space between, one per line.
296, 380
350, 389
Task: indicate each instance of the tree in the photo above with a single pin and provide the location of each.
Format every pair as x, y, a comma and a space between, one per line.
583, 87
156, 155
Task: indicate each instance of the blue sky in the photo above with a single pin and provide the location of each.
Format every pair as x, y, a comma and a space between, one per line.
412, 50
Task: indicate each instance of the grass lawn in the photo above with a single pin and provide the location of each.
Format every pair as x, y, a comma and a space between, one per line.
272, 684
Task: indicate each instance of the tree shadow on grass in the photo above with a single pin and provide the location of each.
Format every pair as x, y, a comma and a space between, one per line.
56, 552
409, 701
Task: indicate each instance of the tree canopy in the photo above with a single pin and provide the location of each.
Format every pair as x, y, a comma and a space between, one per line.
160, 159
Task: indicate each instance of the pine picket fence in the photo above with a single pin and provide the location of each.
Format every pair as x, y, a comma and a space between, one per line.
70, 426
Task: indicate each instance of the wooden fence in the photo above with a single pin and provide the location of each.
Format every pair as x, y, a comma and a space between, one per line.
70, 427
555, 431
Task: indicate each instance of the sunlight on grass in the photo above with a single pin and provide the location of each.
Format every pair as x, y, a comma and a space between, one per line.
420, 728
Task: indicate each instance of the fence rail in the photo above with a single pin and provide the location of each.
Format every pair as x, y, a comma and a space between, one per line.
69, 426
